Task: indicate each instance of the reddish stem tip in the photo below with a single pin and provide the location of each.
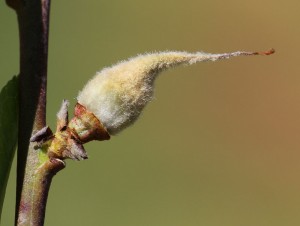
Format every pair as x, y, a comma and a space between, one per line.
266, 53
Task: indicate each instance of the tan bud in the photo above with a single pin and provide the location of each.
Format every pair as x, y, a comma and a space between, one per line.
118, 94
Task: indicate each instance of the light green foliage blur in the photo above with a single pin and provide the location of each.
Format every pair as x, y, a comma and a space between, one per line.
219, 145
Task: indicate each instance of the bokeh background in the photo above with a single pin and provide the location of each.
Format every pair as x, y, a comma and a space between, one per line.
220, 143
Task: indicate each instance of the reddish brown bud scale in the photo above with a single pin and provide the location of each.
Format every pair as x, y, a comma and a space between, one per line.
86, 126
69, 138
67, 141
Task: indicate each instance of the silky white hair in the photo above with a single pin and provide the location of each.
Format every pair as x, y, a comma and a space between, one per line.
117, 94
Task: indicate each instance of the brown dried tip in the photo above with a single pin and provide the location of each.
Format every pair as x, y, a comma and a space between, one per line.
266, 53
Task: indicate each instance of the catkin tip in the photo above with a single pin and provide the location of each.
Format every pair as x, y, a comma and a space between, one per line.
266, 53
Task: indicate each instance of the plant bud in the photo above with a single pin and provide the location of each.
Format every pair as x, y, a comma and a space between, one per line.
118, 94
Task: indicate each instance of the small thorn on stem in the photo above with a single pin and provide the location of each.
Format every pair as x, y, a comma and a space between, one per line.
42, 134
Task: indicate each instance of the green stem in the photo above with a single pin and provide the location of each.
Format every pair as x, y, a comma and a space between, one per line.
33, 206
33, 176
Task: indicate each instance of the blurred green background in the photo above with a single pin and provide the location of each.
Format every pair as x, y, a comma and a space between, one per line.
220, 143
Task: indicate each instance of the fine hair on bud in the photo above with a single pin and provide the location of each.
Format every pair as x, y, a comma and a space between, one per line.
117, 95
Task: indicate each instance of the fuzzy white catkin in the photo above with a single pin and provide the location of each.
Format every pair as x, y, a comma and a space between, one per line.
118, 94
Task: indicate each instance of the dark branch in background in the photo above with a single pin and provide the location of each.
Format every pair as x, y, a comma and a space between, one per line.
33, 19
